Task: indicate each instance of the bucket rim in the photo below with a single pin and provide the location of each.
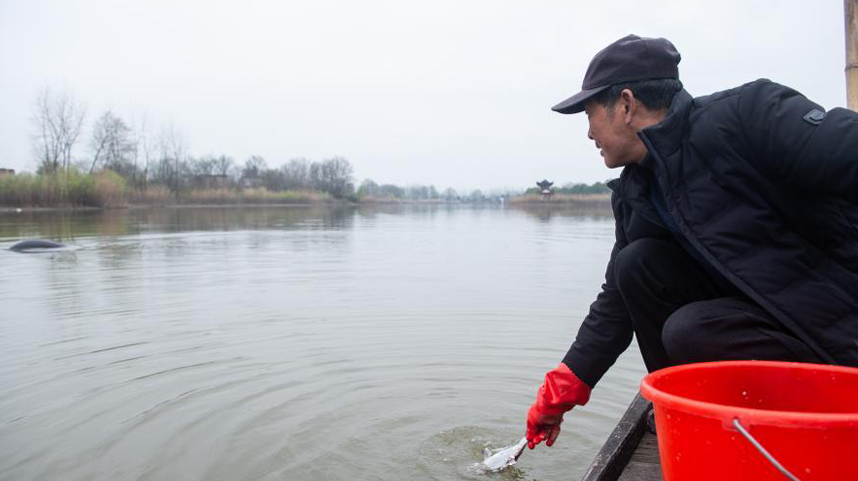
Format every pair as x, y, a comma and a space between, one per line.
748, 416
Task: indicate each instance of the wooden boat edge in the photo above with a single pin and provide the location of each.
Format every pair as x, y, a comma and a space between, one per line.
621, 444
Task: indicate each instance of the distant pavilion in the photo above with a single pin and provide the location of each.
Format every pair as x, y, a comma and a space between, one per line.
545, 189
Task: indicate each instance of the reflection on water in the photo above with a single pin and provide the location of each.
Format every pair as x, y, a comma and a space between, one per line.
543, 212
392, 342
66, 226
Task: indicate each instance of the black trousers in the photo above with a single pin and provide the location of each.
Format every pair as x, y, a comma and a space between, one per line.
681, 315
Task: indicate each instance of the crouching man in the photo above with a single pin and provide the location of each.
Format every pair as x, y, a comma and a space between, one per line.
736, 226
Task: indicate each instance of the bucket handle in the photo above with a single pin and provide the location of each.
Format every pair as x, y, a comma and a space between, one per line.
763, 451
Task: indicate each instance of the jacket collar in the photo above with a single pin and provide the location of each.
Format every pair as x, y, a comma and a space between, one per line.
663, 142
666, 136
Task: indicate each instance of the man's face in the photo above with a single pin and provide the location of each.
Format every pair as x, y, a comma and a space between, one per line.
616, 140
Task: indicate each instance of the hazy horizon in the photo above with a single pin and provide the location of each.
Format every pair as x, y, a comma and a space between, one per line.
451, 94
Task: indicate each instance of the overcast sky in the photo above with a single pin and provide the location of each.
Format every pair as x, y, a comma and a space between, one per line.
455, 93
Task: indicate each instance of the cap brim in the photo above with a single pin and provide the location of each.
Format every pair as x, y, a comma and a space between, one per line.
575, 103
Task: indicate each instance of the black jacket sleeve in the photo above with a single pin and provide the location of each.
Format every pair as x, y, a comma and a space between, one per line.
607, 330
814, 151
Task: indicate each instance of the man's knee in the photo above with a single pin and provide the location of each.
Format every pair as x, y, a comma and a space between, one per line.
729, 328
686, 335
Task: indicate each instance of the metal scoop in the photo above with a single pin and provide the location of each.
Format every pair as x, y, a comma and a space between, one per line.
504, 457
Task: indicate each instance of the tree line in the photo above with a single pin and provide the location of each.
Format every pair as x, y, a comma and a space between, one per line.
145, 157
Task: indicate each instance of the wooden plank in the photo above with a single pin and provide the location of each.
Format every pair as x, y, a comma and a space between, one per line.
644, 464
641, 472
647, 450
621, 444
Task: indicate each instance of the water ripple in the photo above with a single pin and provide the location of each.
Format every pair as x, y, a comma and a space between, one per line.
298, 344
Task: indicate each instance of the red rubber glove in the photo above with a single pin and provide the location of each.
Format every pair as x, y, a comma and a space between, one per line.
561, 391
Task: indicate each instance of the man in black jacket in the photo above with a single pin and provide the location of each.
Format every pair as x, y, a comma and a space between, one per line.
736, 226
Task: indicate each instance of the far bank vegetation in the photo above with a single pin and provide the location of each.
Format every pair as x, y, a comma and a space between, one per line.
567, 194
127, 163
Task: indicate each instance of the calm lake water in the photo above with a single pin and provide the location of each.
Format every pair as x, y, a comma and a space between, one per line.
295, 343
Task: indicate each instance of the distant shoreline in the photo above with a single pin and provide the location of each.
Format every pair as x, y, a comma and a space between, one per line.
558, 200
562, 199
73, 190
13, 210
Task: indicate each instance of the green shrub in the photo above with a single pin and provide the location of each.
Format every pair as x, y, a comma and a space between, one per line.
151, 195
109, 189
64, 189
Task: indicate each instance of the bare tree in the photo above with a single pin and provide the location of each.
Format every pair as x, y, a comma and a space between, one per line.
390, 190
203, 165
333, 176
223, 165
368, 188
254, 167
314, 174
58, 122
144, 149
449, 194
296, 174
417, 192
112, 144
172, 154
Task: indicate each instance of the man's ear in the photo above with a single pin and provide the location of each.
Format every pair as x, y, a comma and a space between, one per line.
628, 105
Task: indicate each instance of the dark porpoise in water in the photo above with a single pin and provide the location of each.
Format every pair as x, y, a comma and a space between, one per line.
35, 244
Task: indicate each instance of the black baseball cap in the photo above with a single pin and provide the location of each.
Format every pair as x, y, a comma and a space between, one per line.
629, 59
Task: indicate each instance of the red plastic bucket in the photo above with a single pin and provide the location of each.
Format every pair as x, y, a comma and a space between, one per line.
805, 416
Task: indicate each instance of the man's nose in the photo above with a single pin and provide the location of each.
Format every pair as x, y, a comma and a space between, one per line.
590, 134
